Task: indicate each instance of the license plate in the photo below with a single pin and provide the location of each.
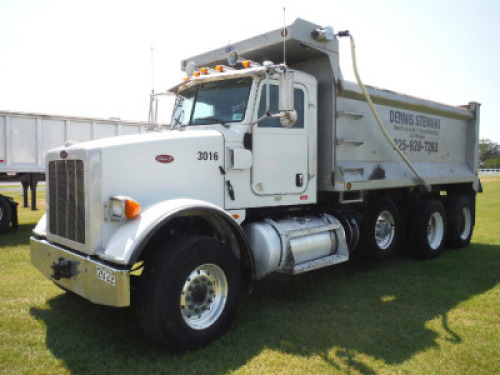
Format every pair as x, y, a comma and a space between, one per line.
105, 274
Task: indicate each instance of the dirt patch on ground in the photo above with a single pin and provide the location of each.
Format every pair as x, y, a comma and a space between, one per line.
489, 178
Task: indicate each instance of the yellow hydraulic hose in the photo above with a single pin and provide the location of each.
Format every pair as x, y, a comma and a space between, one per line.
375, 114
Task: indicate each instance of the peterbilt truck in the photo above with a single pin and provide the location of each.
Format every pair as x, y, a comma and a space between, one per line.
273, 163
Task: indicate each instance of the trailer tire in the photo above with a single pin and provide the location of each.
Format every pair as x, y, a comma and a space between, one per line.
428, 231
188, 293
459, 213
382, 229
5, 214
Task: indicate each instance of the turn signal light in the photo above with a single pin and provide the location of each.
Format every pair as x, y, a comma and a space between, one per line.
121, 208
132, 208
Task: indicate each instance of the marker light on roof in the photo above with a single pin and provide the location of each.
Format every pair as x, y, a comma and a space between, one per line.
190, 68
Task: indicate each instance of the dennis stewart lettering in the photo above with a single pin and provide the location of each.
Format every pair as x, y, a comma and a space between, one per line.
404, 118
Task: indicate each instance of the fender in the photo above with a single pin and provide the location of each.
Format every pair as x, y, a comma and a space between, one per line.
128, 242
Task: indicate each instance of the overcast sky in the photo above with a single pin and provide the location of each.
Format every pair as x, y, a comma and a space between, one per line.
93, 58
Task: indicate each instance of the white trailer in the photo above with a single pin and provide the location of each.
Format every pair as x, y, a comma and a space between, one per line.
266, 168
25, 138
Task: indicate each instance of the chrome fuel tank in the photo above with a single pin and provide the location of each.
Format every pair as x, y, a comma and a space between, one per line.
280, 245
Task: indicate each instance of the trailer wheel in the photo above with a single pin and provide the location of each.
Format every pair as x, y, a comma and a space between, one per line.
188, 293
428, 229
459, 213
382, 230
5, 214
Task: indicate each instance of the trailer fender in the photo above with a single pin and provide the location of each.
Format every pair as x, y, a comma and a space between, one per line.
130, 240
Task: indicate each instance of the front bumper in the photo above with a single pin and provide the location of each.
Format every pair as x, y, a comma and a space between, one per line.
89, 278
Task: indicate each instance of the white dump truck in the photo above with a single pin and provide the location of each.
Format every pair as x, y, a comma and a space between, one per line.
268, 167
25, 138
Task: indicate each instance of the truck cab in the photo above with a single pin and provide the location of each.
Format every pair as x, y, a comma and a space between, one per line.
266, 163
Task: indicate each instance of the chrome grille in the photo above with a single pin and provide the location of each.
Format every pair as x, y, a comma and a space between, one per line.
67, 199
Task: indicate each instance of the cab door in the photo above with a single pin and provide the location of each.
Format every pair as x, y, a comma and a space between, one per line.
280, 155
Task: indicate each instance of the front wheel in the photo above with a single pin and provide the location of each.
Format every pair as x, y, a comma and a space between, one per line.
188, 293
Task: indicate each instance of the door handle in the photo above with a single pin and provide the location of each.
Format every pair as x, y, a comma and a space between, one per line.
299, 180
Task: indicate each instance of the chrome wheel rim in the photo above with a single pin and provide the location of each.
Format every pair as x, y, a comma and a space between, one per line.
435, 230
384, 230
203, 296
465, 223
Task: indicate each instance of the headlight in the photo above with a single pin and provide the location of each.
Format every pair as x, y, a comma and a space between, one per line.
122, 208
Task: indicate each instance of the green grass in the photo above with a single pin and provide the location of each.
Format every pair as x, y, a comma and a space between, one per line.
401, 316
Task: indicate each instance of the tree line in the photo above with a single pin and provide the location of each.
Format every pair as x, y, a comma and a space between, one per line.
489, 154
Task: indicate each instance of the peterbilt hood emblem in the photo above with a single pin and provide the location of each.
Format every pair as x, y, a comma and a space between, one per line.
165, 159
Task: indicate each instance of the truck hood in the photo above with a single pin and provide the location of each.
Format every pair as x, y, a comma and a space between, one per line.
163, 165
149, 168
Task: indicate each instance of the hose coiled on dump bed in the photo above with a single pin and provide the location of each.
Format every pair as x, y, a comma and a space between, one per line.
375, 114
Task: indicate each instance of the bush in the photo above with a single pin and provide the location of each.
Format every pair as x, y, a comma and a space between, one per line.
491, 163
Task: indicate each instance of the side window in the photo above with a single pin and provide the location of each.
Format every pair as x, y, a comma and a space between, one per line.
275, 122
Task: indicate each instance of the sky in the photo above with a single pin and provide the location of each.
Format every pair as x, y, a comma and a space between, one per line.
93, 58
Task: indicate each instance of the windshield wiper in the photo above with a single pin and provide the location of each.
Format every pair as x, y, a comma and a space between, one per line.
215, 119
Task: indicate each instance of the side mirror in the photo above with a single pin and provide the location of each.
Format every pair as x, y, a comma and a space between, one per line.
287, 80
286, 99
287, 113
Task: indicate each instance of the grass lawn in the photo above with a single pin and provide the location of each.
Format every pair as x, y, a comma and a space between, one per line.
401, 316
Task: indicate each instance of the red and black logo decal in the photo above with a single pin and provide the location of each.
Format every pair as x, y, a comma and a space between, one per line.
165, 159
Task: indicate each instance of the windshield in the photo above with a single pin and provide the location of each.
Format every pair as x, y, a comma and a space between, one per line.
212, 102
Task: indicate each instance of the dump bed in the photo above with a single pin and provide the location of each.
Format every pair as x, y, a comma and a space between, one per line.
441, 141
26, 137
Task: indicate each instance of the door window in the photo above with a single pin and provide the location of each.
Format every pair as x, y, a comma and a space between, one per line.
274, 108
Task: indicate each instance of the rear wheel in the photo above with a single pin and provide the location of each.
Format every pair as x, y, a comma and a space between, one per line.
460, 216
427, 234
188, 292
382, 229
5, 214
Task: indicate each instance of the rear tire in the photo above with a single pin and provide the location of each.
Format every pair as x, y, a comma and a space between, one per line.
382, 230
188, 293
428, 231
460, 216
5, 214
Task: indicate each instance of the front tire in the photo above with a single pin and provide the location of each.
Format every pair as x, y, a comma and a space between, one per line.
428, 229
188, 292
